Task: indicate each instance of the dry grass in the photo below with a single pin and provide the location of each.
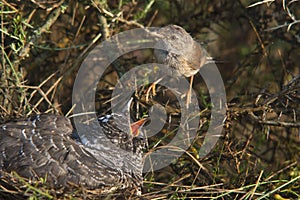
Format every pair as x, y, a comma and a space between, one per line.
257, 51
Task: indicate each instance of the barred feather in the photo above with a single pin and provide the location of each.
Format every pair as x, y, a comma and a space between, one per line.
48, 146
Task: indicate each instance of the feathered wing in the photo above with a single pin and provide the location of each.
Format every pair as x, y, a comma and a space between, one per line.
42, 147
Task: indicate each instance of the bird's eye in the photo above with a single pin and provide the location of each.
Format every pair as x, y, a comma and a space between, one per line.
173, 37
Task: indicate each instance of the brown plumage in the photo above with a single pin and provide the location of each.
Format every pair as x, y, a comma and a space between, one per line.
179, 50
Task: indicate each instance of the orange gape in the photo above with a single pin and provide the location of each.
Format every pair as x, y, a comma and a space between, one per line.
135, 126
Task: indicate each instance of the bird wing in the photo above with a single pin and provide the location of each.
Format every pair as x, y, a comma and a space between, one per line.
42, 147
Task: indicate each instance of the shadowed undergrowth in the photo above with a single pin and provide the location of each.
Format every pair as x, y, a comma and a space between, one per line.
256, 49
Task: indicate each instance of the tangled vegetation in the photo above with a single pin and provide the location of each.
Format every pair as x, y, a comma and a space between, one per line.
255, 44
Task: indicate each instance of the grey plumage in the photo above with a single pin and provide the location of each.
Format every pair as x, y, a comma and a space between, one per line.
48, 146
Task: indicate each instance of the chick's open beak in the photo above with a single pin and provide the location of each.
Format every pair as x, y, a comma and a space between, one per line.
135, 126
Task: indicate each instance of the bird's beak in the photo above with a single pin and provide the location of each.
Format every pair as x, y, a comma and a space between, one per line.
135, 126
